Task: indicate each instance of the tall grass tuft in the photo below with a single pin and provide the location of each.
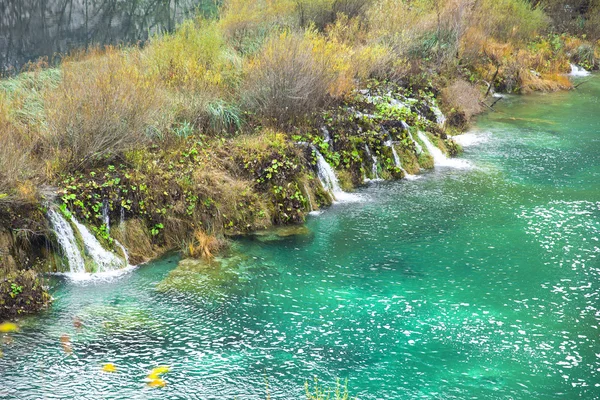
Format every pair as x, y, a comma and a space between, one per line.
103, 106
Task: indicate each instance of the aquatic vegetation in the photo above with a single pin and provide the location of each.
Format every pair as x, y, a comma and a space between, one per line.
340, 392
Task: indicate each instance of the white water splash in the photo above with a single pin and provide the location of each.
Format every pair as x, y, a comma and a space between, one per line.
68, 243
397, 162
470, 139
84, 277
104, 259
439, 115
439, 158
328, 179
578, 71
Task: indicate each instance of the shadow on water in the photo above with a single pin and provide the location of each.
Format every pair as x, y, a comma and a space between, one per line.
32, 29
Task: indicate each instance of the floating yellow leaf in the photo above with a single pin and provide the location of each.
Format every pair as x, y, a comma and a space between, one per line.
109, 367
163, 369
8, 327
157, 383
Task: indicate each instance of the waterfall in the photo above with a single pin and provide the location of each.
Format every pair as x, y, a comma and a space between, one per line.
326, 134
124, 250
439, 116
328, 179
397, 162
417, 145
310, 204
104, 259
439, 158
67, 241
578, 71
374, 173
105, 214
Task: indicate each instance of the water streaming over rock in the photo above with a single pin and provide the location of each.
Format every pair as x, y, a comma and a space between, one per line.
578, 71
439, 158
397, 161
328, 179
66, 240
374, 172
439, 115
105, 260
417, 145
105, 214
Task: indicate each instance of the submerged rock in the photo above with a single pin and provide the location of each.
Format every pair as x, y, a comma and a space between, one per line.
283, 232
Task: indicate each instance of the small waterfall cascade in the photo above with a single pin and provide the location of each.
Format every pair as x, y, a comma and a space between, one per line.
439, 115
67, 241
417, 145
439, 158
105, 215
104, 260
397, 162
122, 219
578, 71
328, 179
124, 250
326, 135
374, 172
310, 203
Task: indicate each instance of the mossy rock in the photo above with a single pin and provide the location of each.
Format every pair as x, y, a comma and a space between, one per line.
282, 232
21, 293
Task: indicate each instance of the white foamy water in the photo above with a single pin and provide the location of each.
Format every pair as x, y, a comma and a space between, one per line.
84, 277
105, 260
329, 181
439, 158
470, 139
66, 240
578, 71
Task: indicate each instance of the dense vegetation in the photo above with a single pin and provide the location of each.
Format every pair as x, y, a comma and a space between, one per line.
195, 133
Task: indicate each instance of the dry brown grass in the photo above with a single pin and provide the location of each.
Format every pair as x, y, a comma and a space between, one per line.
104, 106
205, 246
462, 97
16, 165
286, 82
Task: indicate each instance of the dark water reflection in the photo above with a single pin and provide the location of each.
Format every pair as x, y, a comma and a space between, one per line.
30, 29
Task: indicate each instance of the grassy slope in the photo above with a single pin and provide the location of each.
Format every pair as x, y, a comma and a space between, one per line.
195, 133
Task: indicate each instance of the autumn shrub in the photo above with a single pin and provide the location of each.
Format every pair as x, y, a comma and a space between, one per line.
461, 98
201, 72
247, 24
294, 76
510, 20
103, 106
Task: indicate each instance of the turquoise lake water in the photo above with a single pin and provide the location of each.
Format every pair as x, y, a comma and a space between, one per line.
467, 283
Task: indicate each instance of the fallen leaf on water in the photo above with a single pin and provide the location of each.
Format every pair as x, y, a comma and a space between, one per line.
109, 367
65, 341
77, 323
157, 383
163, 369
8, 327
